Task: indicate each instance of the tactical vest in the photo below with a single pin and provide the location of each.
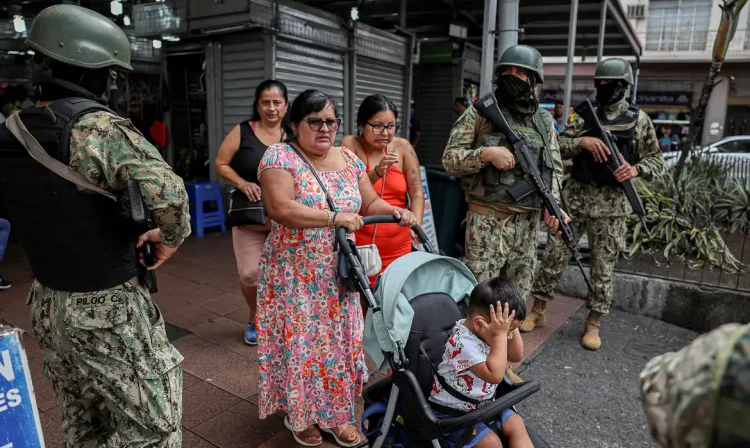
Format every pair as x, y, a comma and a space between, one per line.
587, 170
74, 241
536, 133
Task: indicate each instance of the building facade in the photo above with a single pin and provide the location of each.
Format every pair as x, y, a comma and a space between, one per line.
678, 37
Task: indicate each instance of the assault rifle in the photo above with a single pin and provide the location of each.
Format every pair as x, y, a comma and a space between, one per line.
141, 217
532, 182
587, 112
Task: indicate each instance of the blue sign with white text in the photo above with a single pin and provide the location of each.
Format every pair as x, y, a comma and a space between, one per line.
19, 418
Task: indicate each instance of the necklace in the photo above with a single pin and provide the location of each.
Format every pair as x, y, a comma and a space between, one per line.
318, 160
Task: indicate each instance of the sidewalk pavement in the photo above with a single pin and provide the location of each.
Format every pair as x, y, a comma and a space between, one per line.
206, 316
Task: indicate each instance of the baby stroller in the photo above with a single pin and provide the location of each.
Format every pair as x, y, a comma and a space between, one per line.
416, 304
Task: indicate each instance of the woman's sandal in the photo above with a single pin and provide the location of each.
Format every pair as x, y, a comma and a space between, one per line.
354, 443
299, 438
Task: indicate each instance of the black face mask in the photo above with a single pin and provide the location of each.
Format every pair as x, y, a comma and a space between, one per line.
517, 94
610, 93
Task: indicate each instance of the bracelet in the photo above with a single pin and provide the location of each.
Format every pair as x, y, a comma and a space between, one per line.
330, 216
333, 221
376, 172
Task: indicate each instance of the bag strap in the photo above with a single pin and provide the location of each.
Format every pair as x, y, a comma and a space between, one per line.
18, 129
447, 387
382, 191
329, 199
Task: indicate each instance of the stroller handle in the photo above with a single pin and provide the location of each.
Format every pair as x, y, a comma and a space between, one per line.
341, 232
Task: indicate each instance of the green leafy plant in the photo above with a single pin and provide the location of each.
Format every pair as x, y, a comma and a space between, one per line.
733, 208
686, 216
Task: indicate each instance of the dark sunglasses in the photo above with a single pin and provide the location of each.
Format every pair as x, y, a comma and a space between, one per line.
317, 123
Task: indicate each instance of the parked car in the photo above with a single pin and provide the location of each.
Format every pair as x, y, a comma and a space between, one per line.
732, 152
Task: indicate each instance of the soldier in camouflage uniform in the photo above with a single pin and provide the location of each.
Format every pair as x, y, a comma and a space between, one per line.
104, 342
501, 235
596, 201
699, 397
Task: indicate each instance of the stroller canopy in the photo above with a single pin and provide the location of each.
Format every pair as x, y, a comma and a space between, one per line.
406, 278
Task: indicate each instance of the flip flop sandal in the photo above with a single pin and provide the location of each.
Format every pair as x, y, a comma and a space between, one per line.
357, 442
297, 439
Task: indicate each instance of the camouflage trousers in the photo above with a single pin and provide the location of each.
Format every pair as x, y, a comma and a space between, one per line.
112, 368
502, 246
606, 238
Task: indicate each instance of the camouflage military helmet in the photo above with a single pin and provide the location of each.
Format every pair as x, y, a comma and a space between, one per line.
614, 68
525, 57
79, 36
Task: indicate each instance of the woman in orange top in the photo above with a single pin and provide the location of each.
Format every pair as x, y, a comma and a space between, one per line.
393, 169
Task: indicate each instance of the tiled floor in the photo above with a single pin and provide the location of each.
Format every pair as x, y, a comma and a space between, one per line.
199, 292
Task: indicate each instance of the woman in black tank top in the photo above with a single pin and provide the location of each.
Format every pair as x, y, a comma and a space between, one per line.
237, 162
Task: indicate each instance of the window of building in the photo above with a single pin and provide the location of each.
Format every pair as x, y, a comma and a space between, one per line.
678, 25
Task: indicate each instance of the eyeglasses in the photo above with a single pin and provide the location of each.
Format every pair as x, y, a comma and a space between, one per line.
317, 123
378, 129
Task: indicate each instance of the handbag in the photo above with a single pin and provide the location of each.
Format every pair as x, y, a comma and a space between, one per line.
368, 254
243, 211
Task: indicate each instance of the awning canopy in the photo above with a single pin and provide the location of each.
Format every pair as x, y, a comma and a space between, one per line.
544, 24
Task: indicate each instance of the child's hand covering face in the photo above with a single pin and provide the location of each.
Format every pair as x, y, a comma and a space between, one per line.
498, 325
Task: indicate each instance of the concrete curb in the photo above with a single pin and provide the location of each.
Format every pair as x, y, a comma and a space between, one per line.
695, 307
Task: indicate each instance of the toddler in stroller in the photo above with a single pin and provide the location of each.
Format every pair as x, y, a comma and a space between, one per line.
417, 301
474, 362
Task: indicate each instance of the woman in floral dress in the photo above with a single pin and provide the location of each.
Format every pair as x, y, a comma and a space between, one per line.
309, 327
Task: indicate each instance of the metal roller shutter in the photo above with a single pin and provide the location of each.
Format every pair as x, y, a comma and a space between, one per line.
434, 109
374, 77
303, 67
242, 70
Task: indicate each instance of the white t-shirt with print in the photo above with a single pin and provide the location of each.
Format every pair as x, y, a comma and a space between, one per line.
463, 351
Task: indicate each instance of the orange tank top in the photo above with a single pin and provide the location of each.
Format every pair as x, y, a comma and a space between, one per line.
392, 241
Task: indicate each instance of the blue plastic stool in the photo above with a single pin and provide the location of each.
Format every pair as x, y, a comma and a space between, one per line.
198, 194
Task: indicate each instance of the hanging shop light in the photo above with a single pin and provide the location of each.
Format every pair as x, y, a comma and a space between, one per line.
115, 8
19, 24
355, 13
156, 43
126, 20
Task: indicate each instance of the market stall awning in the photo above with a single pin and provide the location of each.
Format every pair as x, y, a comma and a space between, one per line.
544, 24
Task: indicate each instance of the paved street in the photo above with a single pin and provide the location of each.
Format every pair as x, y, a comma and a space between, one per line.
591, 399
200, 300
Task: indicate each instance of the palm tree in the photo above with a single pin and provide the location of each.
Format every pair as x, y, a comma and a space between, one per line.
730, 13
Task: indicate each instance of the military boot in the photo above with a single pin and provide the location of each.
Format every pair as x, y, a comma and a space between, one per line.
591, 339
536, 317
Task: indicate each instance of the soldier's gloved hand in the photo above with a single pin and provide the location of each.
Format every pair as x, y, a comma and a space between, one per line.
162, 252
554, 223
500, 157
596, 147
625, 172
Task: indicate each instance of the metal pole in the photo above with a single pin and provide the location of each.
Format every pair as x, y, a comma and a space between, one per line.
602, 29
635, 81
571, 56
403, 14
507, 25
488, 45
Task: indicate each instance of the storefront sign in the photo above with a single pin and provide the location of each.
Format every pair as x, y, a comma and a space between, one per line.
577, 97
19, 417
665, 98
428, 220
644, 98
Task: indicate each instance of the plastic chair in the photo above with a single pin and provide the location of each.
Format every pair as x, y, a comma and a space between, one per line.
199, 193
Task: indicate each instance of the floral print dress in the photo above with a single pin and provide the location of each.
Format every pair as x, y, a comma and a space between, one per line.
309, 327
